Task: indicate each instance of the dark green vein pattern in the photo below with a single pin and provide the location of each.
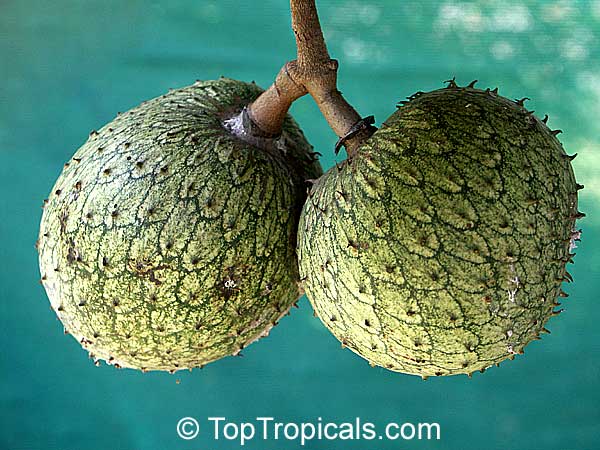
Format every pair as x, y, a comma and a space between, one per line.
440, 247
166, 242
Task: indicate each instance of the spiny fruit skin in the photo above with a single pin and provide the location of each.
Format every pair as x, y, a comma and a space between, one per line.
167, 243
439, 248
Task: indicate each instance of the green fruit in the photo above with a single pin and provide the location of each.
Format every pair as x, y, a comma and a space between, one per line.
440, 246
167, 242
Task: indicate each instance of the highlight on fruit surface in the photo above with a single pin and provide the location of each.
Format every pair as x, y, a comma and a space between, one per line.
168, 242
440, 245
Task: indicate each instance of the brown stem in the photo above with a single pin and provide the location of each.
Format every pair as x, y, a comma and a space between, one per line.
310, 44
269, 109
313, 72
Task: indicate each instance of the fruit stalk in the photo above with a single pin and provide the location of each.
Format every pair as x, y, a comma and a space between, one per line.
313, 72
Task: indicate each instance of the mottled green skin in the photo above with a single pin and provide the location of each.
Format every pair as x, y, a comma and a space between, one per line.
166, 242
440, 247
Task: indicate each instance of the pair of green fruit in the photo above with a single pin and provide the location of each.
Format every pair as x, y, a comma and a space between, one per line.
439, 247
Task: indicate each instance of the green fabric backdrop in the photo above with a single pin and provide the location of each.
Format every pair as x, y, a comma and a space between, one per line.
67, 66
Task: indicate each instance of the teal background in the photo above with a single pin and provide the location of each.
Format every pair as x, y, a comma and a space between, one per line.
67, 66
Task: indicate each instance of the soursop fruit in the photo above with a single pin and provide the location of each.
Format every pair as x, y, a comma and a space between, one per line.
439, 247
167, 242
